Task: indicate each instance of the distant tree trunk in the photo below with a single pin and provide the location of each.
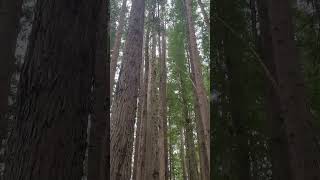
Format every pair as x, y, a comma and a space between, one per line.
163, 103
296, 114
278, 144
190, 148
96, 170
124, 105
151, 155
204, 13
117, 44
182, 156
142, 142
201, 93
54, 93
9, 15
204, 161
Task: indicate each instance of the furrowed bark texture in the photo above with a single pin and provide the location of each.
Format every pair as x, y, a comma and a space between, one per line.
142, 143
124, 105
303, 154
96, 169
49, 139
117, 43
9, 15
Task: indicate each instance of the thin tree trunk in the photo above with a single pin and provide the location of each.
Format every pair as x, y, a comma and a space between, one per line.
9, 15
163, 103
98, 121
278, 144
201, 93
124, 105
54, 93
182, 156
190, 148
117, 44
204, 161
294, 108
204, 13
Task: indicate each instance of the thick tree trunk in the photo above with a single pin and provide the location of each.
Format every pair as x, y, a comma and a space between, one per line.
142, 142
201, 93
54, 93
139, 124
278, 144
9, 15
124, 105
151, 155
96, 170
117, 44
294, 109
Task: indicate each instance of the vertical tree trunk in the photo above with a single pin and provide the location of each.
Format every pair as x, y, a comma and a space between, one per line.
201, 93
278, 144
296, 114
190, 148
9, 15
182, 156
163, 102
204, 13
54, 93
96, 170
139, 123
117, 44
142, 142
125, 101
151, 155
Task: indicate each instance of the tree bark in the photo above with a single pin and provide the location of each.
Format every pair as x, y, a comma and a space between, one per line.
54, 93
142, 142
117, 44
201, 93
303, 155
9, 15
151, 155
96, 168
278, 144
182, 156
124, 105
204, 13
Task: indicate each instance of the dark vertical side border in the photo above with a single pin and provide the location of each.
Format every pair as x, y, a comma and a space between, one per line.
212, 2
108, 97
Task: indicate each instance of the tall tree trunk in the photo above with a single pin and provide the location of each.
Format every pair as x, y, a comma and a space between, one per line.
54, 93
9, 15
139, 123
294, 108
142, 142
117, 44
182, 156
151, 155
163, 102
96, 169
204, 13
201, 93
190, 148
278, 144
124, 105
204, 160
